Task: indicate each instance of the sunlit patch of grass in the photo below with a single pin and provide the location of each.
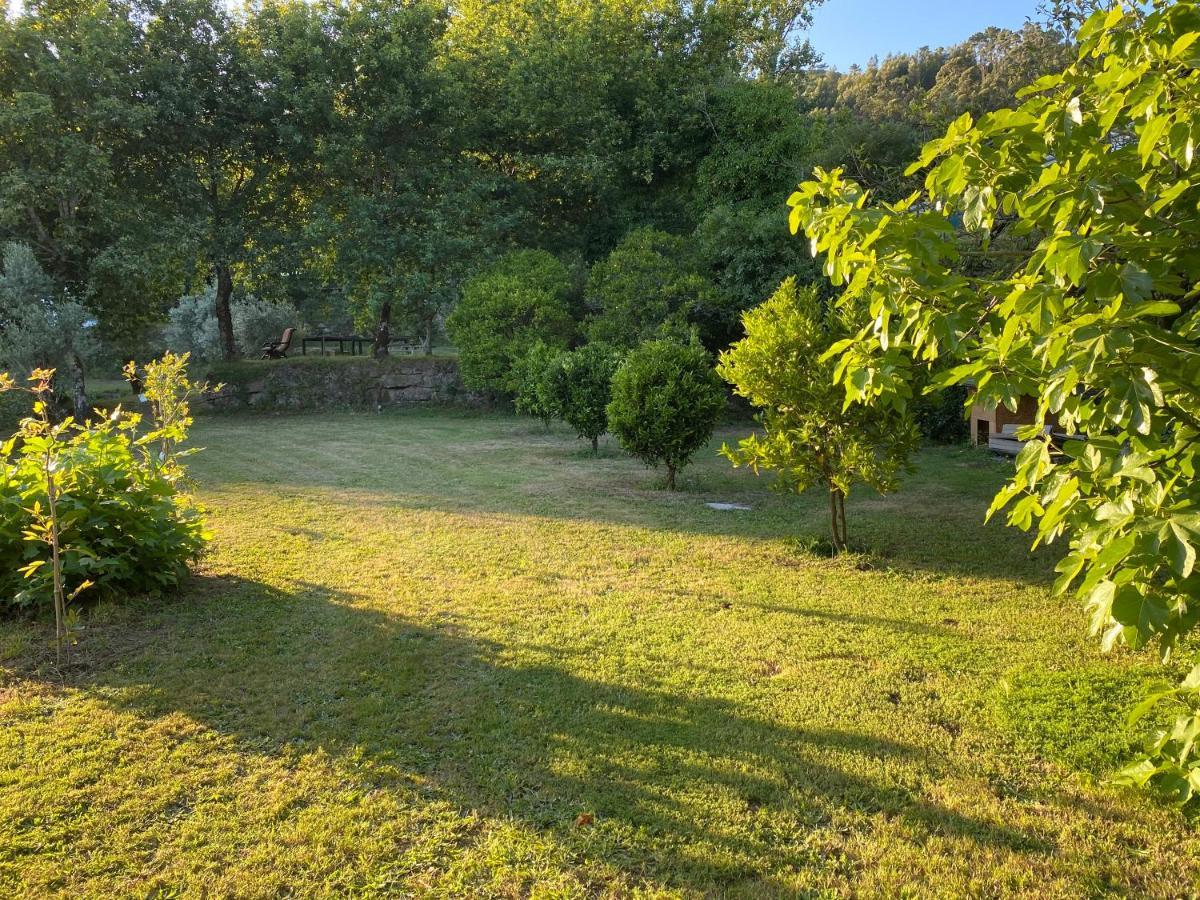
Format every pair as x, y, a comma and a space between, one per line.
455, 655
1077, 716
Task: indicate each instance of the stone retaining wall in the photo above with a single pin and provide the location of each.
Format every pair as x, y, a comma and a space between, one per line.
338, 383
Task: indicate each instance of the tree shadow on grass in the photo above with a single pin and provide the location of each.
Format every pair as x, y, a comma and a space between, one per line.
688, 790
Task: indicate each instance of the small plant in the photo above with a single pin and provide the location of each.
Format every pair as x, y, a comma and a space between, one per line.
97, 505
666, 400
43, 446
579, 387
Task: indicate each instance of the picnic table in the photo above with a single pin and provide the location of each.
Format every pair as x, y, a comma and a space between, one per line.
357, 344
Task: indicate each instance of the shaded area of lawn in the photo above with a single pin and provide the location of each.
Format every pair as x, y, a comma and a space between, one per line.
463, 463
423, 647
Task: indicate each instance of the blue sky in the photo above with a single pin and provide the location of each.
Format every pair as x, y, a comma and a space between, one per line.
845, 32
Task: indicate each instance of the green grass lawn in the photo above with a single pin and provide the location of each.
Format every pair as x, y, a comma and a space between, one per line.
437, 654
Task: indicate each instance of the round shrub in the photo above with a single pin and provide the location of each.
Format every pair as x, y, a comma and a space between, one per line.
125, 528
666, 399
504, 311
579, 385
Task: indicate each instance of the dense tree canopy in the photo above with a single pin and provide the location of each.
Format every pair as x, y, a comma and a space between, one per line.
651, 281
361, 160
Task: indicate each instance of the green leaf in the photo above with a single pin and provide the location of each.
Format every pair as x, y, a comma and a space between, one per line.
1192, 681
1150, 135
1136, 283
1182, 43
1176, 544
1144, 612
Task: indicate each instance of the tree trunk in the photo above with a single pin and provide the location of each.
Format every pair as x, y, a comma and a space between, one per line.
670, 476
224, 315
383, 331
839, 545
845, 530
429, 337
595, 443
79, 397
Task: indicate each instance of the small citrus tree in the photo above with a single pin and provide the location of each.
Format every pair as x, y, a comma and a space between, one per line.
579, 387
530, 377
666, 399
811, 435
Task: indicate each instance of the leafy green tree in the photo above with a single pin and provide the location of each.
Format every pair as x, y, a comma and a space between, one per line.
810, 435
651, 280
765, 35
871, 122
72, 126
504, 310
238, 103
932, 86
587, 115
1096, 314
400, 208
532, 377
579, 387
749, 252
666, 400
763, 145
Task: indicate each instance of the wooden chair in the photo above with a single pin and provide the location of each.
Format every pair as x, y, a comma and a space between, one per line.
279, 349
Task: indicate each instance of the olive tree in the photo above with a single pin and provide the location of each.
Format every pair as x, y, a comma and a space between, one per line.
1094, 311
41, 326
531, 377
666, 399
811, 436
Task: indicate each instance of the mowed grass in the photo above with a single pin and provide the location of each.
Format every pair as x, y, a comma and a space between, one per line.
451, 655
